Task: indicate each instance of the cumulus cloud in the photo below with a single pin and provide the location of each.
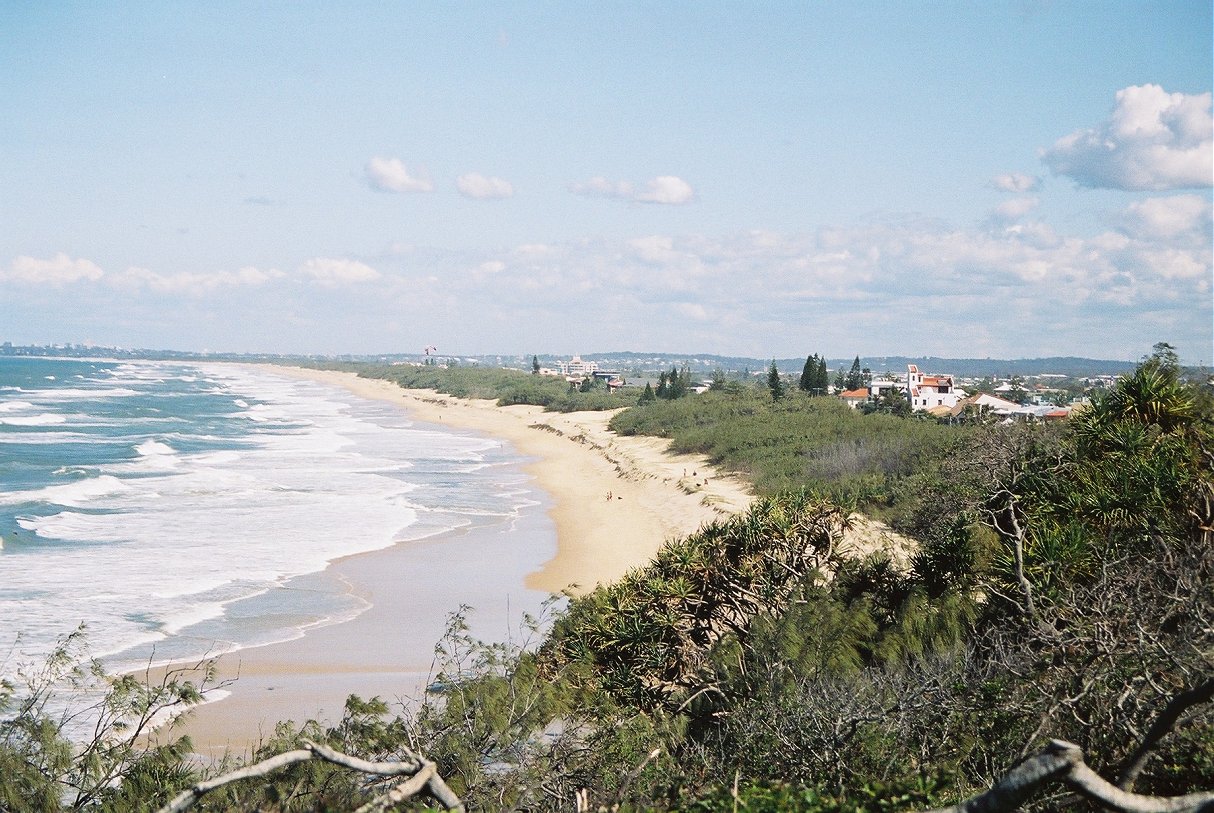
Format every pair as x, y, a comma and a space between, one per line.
193, 283
667, 189
1016, 182
333, 272
58, 271
1153, 140
1013, 210
479, 187
664, 189
894, 283
1168, 218
391, 175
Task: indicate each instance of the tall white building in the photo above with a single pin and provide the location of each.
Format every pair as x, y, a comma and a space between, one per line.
575, 367
927, 391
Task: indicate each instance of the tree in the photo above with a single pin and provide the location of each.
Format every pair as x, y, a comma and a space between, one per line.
674, 384
892, 402
855, 377
1165, 356
809, 376
535, 365
1017, 393
840, 380
648, 396
774, 382
814, 377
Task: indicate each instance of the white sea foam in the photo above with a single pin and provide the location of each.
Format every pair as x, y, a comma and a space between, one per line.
154, 447
179, 548
45, 419
78, 493
15, 406
76, 394
44, 438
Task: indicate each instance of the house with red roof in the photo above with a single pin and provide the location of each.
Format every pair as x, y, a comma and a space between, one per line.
927, 391
853, 398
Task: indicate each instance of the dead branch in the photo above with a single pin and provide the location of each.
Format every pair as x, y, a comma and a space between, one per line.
1201, 693
422, 773
1062, 761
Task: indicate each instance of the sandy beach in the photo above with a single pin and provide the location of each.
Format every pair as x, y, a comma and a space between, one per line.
573, 458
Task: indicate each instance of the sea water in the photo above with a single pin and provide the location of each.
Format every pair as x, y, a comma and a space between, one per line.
174, 509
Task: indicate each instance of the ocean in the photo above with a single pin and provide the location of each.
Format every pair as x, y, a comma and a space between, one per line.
177, 510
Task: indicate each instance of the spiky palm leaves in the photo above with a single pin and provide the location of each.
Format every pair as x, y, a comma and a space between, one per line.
648, 637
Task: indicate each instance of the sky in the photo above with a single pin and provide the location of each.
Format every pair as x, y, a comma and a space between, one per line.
960, 179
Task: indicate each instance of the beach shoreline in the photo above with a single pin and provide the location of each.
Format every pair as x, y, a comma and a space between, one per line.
612, 501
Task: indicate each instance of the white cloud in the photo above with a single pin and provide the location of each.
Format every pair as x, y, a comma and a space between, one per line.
884, 285
478, 187
58, 271
654, 249
193, 283
332, 272
391, 175
1168, 218
692, 310
1153, 140
1016, 182
1012, 210
667, 189
664, 189
532, 251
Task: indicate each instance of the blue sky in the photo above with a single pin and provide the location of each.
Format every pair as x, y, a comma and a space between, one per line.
958, 179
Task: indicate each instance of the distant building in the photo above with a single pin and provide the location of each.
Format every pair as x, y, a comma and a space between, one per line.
927, 391
853, 398
878, 387
576, 368
984, 403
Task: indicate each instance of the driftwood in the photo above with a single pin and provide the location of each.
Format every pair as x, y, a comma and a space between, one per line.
421, 772
1062, 762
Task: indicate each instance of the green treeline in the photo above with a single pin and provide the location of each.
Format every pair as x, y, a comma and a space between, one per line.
1062, 586
799, 442
507, 387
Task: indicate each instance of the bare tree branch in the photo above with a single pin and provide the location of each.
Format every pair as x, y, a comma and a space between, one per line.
1063, 762
423, 775
1201, 693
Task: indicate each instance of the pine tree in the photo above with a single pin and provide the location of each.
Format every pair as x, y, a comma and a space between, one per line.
822, 382
809, 374
679, 382
774, 382
855, 377
535, 365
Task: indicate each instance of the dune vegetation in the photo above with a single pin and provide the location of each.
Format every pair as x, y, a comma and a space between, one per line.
1059, 608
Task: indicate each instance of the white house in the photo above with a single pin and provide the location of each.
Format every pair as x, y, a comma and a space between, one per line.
986, 403
927, 391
